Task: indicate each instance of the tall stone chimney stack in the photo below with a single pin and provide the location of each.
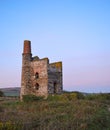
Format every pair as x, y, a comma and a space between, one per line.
27, 47
26, 68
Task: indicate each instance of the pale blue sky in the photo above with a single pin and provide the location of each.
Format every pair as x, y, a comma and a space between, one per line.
76, 32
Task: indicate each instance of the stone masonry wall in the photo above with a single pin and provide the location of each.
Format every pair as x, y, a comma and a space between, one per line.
26, 75
55, 78
39, 81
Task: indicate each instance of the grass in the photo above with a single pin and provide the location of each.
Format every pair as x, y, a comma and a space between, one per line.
58, 112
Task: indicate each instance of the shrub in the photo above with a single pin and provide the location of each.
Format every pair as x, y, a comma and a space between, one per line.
1, 94
56, 97
66, 96
62, 97
1, 109
100, 120
91, 96
10, 126
104, 96
31, 98
79, 95
100, 96
74, 95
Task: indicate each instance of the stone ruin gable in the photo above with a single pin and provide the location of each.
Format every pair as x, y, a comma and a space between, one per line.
39, 76
55, 78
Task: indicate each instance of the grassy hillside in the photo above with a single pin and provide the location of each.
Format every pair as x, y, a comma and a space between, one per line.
69, 111
11, 91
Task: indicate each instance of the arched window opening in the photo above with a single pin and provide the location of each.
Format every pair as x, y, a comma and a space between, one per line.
36, 75
36, 86
55, 87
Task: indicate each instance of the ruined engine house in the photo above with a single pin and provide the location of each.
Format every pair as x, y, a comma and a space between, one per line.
39, 77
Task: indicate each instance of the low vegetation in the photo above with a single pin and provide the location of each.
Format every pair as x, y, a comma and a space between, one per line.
1, 94
69, 111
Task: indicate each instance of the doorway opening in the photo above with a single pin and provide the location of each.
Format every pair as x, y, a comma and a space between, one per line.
55, 87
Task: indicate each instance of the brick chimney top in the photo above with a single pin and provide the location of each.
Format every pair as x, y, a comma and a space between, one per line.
27, 47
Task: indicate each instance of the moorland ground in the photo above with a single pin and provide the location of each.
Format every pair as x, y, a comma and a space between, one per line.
69, 111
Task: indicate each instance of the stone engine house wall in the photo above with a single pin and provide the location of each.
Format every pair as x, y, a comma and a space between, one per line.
39, 77
55, 77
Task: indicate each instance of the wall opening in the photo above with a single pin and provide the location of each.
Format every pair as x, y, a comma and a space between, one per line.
55, 87
36, 75
36, 86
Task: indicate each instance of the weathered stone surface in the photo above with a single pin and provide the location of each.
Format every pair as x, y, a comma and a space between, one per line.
38, 76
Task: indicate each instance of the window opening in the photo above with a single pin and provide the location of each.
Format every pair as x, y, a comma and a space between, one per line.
36, 86
36, 75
